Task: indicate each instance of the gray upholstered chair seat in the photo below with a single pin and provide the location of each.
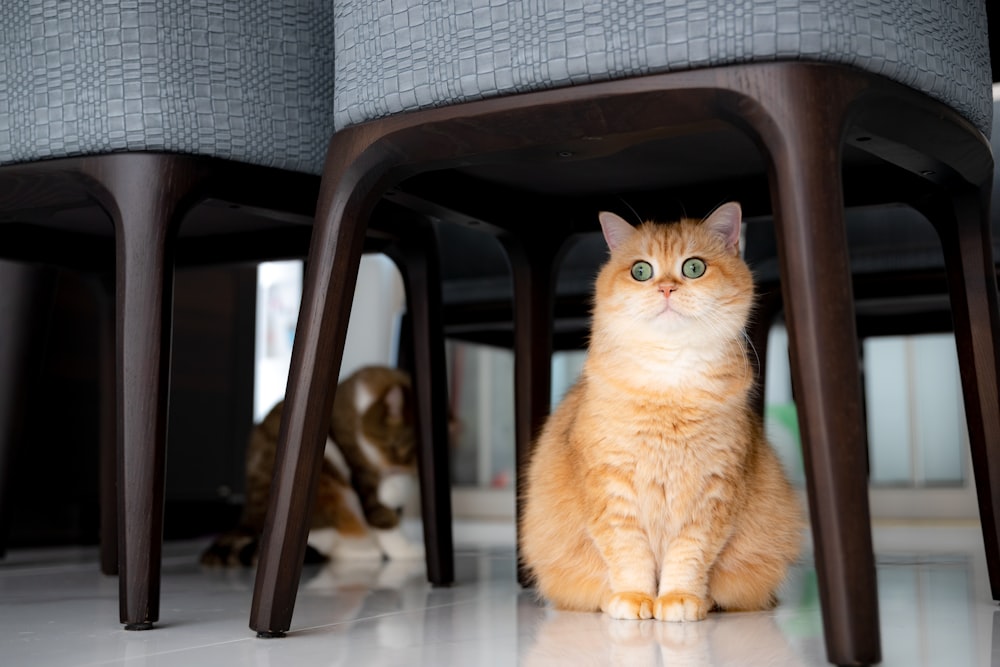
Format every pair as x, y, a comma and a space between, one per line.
400, 55
250, 81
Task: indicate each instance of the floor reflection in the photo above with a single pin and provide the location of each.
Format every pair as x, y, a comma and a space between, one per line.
595, 639
936, 609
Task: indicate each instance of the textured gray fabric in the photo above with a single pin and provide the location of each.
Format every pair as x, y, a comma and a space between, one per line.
397, 55
250, 80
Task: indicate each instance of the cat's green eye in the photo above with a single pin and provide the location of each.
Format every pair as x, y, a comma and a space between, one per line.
693, 267
642, 271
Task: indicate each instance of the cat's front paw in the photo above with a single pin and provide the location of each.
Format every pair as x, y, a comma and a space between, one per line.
395, 490
395, 545
678, 606
629, 606
355, 549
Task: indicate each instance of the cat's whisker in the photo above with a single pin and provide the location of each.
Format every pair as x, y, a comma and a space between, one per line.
717, 324
753, 348
634, 212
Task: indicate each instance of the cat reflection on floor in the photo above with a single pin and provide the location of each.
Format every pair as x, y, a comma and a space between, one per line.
574, 638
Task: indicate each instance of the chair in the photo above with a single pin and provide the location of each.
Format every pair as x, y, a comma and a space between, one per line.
197, 135
528, 124
134, 135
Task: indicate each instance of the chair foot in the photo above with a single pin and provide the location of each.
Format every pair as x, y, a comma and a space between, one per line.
138, 627
270, 635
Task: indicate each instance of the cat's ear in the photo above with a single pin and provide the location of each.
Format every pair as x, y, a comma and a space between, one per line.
616, 229
725, 221
393, 400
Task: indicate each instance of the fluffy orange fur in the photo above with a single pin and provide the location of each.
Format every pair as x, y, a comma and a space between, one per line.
652, 491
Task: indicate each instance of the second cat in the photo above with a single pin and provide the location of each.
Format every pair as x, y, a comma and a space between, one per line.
367, 475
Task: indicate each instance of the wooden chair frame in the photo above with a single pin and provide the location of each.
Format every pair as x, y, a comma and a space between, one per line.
801, 116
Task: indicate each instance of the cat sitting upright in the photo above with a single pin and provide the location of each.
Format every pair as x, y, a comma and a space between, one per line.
367, 475
652, 491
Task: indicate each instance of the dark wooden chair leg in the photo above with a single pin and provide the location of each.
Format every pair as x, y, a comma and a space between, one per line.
966, 237
25, 302
802, 138
534, 266
334, 257
144, 195
417, 257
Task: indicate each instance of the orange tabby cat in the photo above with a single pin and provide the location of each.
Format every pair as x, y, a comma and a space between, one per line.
652, 492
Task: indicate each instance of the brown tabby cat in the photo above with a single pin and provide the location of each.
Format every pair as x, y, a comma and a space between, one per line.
366, 476
652, 492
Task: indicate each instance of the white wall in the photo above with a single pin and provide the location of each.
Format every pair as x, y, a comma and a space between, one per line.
371, 335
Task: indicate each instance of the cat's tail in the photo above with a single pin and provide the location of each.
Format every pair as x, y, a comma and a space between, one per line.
238, 548
234, 548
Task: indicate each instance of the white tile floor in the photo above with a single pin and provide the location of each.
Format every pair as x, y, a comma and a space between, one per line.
55, 609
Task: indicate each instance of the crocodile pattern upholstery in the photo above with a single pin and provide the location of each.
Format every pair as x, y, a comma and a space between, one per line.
399, 55
249, 80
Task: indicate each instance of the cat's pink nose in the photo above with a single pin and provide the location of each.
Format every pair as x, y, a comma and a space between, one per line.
666, 289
